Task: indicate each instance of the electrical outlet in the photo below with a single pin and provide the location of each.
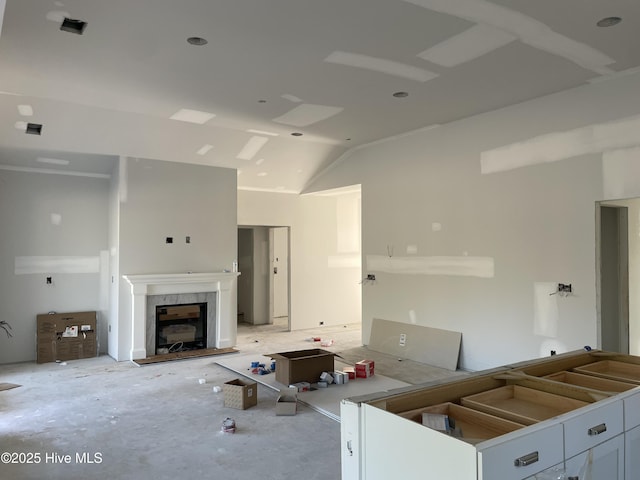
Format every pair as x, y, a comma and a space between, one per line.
49, 280
321, 323
564, 288
371, 277
169, 240
403, 339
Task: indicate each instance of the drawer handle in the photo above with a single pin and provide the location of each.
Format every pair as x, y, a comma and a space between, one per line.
598, 429
526, 460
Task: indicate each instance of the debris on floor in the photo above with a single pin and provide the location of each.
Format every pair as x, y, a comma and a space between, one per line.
229, 425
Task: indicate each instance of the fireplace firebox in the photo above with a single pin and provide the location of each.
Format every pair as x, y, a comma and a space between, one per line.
181, 327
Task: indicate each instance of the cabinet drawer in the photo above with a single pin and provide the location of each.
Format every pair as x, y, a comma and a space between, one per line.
523, 456
593, 427
632, 411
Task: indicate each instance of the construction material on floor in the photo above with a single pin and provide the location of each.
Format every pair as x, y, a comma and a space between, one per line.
302, 365
240, 394
66, 336
323, 400
8, 386
408, 371
202, 352
432, 346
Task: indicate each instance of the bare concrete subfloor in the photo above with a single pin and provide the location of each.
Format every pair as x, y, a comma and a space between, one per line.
97, 418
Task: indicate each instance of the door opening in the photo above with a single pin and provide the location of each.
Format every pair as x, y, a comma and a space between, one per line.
612, 250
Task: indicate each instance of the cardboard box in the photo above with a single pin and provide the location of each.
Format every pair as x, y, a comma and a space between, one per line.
350, 372
240, 394
179, 333
302, 365
365, 368
287, 402
66, 336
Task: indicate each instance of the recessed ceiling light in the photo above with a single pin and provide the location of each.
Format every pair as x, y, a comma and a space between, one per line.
609, 21
34, 129
72, 25
260, 161
401, 94
25, 110
262, 174
204, 149
252, 147
198, 41
53, 161
296, 134
263, 132
299, 170
192, 116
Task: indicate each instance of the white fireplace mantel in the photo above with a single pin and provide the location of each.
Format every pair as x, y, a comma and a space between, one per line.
222, 283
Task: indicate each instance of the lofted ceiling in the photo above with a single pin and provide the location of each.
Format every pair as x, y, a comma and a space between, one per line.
325, 69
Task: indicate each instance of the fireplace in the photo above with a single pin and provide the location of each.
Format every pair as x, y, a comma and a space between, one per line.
181, 327
218, 290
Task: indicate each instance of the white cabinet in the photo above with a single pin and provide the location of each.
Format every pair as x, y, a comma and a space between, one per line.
632, 454
601, 462
383, 438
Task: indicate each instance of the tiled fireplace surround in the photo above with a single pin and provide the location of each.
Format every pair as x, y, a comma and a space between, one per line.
218, 289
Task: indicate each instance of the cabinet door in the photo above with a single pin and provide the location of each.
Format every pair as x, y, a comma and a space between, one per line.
602, 462
632, 454
395, 448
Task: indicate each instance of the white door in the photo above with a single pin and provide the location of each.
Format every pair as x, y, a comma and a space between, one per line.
280, 271
632, 454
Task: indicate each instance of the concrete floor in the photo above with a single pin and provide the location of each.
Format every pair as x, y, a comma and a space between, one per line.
158, 422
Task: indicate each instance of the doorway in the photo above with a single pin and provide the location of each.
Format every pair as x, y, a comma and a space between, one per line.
612, 251
263, 285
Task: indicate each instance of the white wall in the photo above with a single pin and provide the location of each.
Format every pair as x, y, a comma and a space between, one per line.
27, 201
165, 199
536, 222
324, 280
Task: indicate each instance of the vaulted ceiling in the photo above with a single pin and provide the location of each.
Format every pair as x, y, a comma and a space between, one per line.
327, 70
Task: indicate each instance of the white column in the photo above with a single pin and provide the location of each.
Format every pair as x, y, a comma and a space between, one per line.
227, 314
138, 328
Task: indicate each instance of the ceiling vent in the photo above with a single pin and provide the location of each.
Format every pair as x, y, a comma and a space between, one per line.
34, 129
73, 26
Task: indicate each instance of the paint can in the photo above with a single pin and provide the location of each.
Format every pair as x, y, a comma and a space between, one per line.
273, 365
229, 425
255, 364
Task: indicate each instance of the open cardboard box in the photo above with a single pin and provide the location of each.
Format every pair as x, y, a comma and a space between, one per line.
302, 365
287, 402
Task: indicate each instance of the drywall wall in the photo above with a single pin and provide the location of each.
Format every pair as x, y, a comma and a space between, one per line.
424, 193
114, 263
322, 289
58, 225
165, 199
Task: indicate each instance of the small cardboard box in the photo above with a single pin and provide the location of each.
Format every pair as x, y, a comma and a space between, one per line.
287, 402
365, 368
302, 365
240, 394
